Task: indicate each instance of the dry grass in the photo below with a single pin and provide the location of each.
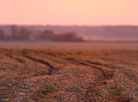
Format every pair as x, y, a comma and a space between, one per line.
68, 75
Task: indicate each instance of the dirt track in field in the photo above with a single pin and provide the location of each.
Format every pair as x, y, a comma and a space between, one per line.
68, 75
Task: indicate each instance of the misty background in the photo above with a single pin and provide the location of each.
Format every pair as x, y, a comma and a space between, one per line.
68, 33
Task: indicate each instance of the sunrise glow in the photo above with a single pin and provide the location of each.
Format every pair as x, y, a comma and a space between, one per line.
69, 12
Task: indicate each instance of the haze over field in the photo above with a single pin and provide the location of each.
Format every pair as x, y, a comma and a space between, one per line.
70, 33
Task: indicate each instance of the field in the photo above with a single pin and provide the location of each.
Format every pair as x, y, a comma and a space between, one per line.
68, 72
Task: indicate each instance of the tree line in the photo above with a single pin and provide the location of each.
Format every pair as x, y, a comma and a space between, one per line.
24, 33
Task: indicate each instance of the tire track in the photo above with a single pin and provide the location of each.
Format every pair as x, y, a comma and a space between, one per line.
51, 67
17, 59
56, 60
107, 74
101, 64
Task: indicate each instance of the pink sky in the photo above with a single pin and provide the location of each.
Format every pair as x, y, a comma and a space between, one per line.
69, 12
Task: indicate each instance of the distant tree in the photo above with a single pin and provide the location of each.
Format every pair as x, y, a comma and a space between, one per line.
47, 35
24, 34
13, 32
70, 36
20, 33
2, 35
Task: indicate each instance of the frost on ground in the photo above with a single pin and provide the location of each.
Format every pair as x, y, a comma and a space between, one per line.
68, 75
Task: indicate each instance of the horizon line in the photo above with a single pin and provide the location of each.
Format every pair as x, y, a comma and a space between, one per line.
68, 25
